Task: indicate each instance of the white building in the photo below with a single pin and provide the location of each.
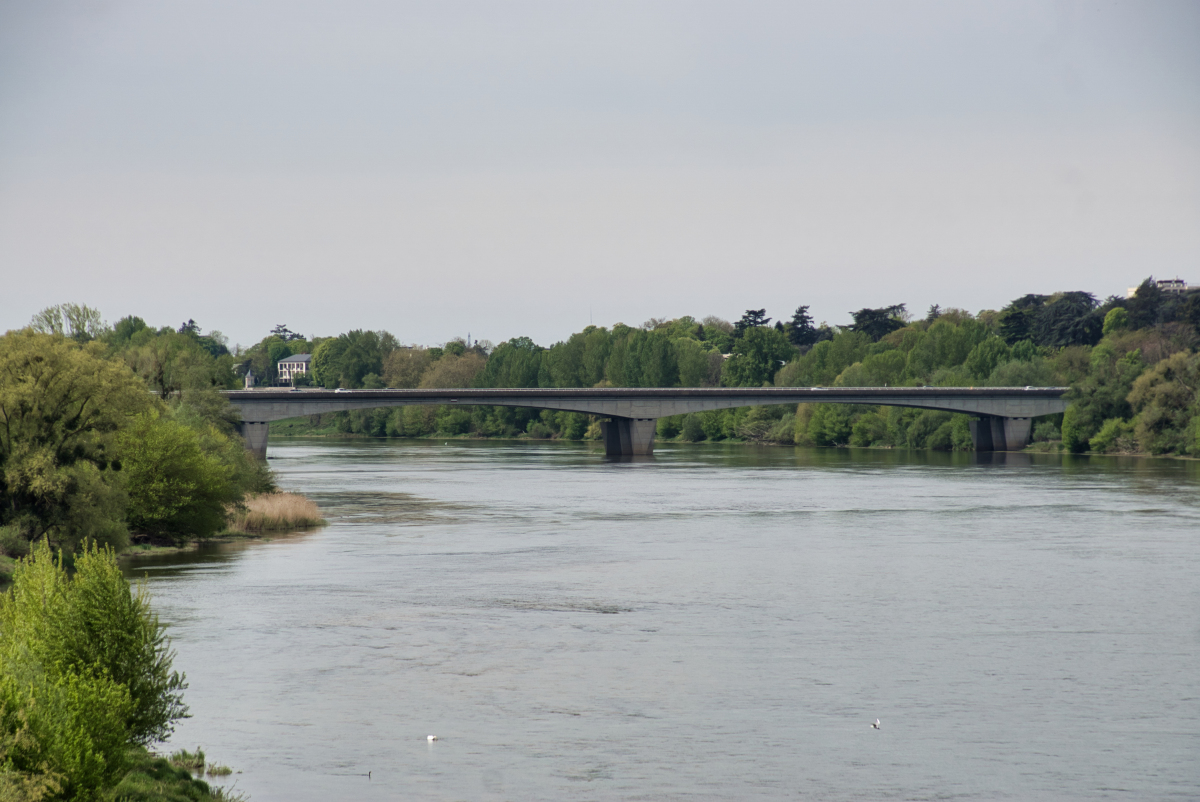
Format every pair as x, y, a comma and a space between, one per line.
295, 365
1176, 285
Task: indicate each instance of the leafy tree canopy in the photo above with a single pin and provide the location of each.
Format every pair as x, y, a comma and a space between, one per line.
61, 405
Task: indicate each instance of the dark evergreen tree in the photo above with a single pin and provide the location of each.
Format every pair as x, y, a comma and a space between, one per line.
878, 323
1147, 305
1072, 318
753, 319
801, 332
284, 333
1018, 318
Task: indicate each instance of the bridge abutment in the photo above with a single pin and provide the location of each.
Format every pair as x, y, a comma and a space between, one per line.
994, 433
628, 437
255, 434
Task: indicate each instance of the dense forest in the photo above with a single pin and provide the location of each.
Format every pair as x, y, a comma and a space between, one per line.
88, 454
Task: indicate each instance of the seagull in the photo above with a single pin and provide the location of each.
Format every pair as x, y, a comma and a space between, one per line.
432, 738
874, 726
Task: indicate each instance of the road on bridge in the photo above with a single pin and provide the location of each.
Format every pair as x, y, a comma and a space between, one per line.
1003, 414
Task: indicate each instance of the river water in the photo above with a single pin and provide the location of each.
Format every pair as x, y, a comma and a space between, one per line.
719, 622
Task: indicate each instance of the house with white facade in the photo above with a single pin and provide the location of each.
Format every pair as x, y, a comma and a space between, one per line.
1175, 285
293, 366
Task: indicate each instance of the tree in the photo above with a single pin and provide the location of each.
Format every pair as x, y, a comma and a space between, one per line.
404, 367
125, 328
1017, 320
516, 363
176, 489
85, 672
753, 318
986, 357
1116, 320
61, 406
454, 370
170, 362
801, 332
757, 355
878, 323
1070, 318
326, 362
80, 323
1167, 398
1146, 306
284, 333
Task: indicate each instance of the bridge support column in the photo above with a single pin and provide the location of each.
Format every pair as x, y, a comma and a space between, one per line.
627, 437
994, 433
255, 435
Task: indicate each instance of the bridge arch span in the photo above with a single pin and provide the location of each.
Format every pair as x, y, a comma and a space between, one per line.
1004, 413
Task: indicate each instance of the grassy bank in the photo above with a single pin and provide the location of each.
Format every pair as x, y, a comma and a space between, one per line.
256, 518
174, 778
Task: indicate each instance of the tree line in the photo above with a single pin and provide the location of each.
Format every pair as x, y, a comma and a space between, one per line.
116, 433
169, 464
1127, 361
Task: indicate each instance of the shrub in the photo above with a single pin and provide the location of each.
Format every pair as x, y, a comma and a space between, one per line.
1115, 435
85, 672
175, 487
667, 428
692, 429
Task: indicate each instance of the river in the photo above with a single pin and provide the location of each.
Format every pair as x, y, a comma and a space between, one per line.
719, 622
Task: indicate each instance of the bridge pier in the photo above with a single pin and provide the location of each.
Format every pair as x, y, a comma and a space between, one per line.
255, 434
995, 433
627, 437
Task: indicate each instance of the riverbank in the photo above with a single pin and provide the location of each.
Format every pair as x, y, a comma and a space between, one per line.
1041, 447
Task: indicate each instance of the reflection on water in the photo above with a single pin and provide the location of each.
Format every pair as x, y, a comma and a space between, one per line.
719, 622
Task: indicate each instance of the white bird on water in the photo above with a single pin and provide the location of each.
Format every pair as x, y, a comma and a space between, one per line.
875, 726
432, 738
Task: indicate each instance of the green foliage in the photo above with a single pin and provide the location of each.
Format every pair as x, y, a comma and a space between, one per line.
1100, 395
1116, 320
175, 486
85, 673
877, 323
516, 363
757, 356
692, 428
1115, 435
158, 779
79, 323
1055, 321
1166, 398
62, 405
825, 361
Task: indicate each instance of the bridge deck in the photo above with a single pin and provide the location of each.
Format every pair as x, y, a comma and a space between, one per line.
633, 409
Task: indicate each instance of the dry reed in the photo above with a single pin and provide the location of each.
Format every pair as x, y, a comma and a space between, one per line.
272, 512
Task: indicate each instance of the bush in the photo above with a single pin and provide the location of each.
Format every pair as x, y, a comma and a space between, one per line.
1115, 435
667, 428
85, 673
692, 429
1046, 432
175, 487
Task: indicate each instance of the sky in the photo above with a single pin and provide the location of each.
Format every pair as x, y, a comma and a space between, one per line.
503, 169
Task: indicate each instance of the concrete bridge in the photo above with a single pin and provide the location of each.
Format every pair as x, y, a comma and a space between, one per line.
1003, 415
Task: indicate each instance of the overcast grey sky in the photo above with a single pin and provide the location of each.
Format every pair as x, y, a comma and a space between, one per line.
515, 168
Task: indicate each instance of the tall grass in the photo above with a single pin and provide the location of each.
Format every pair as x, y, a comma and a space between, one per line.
273, 512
